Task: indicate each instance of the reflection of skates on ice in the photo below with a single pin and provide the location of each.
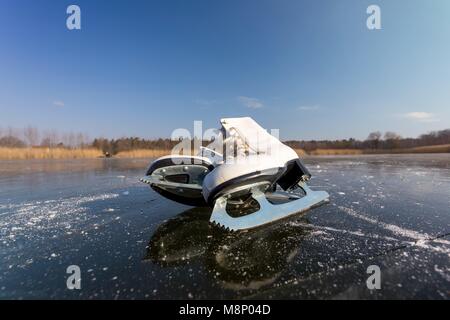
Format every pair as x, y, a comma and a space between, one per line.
237, 261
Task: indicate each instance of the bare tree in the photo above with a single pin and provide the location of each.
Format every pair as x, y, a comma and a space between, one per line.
12, 132
374, 139
389, 135
80, 140
71, 140
11, 142
31, 135
51, 139
375, 135
55, 138
392, 140
65, 139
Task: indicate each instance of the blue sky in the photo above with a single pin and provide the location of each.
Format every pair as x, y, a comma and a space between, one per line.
310, 68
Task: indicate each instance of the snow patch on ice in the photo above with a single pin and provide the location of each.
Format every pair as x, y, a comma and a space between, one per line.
399, 231
330, 229
421, 240
24, 219
444, 272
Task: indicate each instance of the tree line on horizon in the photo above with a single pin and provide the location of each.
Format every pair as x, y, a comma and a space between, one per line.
32, 137
376, 141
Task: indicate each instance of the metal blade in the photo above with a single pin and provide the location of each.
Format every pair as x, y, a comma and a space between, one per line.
268, 212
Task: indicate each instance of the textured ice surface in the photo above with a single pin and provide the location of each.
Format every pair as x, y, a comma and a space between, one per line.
392, 211
29, 218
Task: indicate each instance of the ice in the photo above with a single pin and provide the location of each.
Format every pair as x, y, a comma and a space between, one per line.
391, 227
64, 213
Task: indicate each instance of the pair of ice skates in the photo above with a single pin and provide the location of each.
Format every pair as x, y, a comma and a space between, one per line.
260, 181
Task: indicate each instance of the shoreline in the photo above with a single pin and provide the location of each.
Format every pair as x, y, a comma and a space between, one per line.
14, 154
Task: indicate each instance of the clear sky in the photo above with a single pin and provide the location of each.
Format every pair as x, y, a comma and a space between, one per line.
310, 68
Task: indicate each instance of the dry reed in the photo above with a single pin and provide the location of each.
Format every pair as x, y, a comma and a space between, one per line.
143, 153
47, 153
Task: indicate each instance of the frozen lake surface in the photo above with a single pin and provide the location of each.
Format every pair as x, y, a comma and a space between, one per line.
129, 242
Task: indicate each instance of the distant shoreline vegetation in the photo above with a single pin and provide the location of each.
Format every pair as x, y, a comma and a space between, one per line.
30, 143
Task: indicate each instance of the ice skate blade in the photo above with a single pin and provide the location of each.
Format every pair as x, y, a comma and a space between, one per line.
268, 212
